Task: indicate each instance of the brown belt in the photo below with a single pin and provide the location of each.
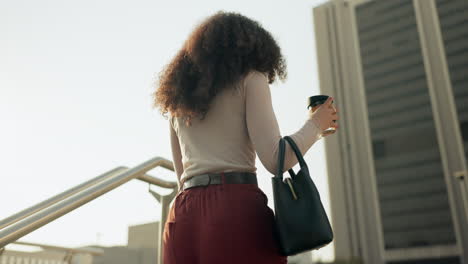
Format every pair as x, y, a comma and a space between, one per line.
217, 178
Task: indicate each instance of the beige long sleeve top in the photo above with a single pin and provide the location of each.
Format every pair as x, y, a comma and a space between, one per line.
239, 124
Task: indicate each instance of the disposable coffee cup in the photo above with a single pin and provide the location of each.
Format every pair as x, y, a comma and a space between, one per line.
315, 102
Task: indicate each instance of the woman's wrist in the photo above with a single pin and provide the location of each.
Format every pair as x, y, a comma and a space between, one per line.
316, 123
318, 131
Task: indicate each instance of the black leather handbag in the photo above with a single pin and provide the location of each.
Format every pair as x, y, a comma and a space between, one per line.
301, 223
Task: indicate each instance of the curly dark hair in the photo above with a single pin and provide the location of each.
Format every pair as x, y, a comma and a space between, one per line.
220, 51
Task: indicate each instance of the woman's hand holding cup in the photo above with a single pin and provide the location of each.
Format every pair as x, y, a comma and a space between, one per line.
325, 116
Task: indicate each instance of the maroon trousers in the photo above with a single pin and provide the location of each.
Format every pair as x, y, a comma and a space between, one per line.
225, 223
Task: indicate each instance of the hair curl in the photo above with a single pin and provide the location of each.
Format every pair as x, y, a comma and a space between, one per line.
220, 51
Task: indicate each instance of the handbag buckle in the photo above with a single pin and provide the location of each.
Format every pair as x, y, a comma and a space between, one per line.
288, 180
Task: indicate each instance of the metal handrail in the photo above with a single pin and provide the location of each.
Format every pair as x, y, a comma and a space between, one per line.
155, 181
57, 198
47, 215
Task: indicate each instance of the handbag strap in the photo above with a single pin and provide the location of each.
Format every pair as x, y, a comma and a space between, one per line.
296, 150
281, 150
281, 156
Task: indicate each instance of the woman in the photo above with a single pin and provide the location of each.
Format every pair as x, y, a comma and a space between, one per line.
216, 90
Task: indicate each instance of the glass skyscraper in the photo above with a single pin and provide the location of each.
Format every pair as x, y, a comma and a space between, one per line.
399, 72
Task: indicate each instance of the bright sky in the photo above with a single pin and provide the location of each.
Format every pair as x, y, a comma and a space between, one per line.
75, 85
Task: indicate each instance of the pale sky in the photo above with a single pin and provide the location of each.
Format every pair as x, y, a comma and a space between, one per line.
76, 79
